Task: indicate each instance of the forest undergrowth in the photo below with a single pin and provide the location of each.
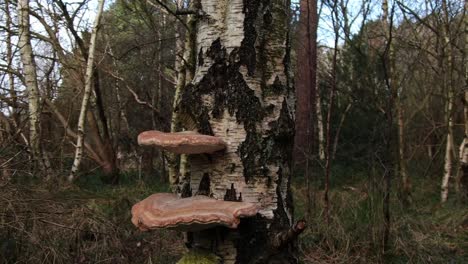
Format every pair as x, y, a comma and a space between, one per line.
423, 231
89, 222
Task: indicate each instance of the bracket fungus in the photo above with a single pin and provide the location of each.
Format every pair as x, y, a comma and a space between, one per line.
167, 210
187, 142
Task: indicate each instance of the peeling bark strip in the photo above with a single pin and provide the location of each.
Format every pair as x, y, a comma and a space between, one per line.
241, 93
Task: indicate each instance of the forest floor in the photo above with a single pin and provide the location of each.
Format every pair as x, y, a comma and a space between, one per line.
89, 222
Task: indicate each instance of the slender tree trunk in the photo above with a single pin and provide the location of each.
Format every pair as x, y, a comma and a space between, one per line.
103, 139
389, 170
30, 76
405, 181
306, 92
86, 96
241, 92
448, 87
338, 130
306, 83
321, 134
11, 79
184, 49
336, 27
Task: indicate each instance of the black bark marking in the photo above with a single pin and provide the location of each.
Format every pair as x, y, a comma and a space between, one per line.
231, 195
277, 88
200, 57
230, 91
256, 152
204, 187
247, 51
186, 190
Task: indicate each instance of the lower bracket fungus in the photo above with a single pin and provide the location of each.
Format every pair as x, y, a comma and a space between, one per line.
167, 210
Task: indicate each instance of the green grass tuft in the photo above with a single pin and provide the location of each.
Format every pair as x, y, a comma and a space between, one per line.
199, 257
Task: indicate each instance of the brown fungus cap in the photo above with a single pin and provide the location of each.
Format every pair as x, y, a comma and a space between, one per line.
187, 142
167, 210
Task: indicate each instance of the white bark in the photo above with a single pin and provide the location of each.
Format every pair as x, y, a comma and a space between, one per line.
86, 95
30, 76
448, 167
268, 186
11, 79
447, 84
178, 165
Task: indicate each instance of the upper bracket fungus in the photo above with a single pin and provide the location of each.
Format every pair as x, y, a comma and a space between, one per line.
167, 210
187, 142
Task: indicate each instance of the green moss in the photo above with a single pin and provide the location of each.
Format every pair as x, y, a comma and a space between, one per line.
199, 257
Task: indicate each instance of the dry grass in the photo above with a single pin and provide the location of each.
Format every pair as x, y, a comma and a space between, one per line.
39, 225
423, 233
90, 223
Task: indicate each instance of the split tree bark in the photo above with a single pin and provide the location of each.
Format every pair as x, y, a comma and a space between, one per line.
86, 95
241, 92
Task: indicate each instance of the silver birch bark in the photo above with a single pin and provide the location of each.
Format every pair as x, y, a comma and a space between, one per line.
241, 92
86, 95
11, 79
180, 68
30, 76
447, 78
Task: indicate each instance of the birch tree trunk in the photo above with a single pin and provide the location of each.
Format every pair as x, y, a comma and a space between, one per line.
86, 95
448, 87
183, 49
30, 76
11, 79
241, 93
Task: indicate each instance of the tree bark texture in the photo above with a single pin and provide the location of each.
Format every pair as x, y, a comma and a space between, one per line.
241, 92
30, 76
448, 88
184, 49
9, 60
306, 80
86, 96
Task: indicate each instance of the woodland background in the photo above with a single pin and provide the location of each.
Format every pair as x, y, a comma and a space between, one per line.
381, 128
